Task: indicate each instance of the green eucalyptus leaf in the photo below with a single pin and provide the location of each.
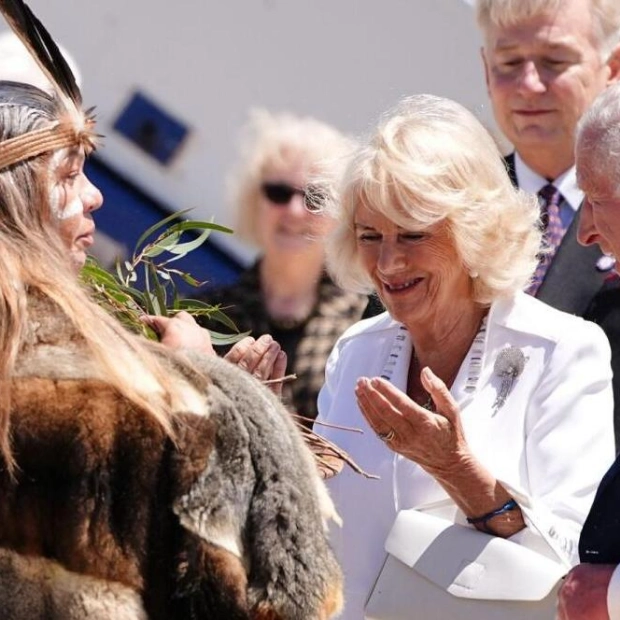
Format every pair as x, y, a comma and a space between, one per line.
152, 305
96, 275
114, 290
220, 340
136, 295
199, 225
160, 291
182, 249
146, 234
119, 271
202, 308
120, 297
187, 303
224, 319
186, 277
165, 243
149, 298
91, 266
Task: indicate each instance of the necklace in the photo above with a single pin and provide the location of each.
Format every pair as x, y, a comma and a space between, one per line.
414, 372
474, 358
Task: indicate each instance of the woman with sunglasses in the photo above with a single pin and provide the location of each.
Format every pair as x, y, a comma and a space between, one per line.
286, 292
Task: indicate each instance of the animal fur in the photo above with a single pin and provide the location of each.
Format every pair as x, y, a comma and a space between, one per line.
40, 588
225, 522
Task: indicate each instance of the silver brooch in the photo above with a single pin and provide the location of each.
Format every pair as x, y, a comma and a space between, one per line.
508, 366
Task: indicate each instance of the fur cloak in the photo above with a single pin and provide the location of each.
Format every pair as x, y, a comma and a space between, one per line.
109, 518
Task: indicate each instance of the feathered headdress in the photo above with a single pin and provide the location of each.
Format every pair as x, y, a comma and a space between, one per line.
75, 126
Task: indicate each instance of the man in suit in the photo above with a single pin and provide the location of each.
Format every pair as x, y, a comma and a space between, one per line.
545, 61
592, 589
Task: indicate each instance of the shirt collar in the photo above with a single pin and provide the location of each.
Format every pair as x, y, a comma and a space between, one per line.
531, 182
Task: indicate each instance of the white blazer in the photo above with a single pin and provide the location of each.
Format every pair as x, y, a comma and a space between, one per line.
549, 444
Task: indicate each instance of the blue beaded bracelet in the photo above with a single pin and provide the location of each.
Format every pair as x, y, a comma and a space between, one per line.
508, 506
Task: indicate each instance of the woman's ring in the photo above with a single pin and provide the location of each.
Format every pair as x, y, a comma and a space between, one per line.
386, 436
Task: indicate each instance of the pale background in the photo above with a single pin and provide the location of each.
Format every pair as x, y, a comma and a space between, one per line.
207, 62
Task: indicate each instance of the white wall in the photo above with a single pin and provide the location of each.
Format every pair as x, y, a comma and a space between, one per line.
207, 62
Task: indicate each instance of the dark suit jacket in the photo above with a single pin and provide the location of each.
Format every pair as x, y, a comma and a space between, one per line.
600, 538
575, 285
605, 310
572, 279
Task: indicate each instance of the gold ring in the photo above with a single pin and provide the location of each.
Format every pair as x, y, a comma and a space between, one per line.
386, 436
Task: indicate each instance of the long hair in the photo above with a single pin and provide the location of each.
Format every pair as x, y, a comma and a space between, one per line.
33, 258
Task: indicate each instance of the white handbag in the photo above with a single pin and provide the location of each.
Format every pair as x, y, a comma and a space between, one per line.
436, 569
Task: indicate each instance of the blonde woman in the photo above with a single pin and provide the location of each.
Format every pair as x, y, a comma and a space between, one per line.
473, 396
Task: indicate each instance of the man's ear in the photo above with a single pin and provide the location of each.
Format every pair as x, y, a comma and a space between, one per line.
613, 62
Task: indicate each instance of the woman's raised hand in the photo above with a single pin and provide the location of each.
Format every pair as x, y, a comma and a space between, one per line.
433, 439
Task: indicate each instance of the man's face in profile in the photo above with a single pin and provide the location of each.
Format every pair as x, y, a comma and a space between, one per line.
599, 221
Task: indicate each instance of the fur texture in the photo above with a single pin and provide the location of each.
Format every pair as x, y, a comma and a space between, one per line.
39, 588
223, 523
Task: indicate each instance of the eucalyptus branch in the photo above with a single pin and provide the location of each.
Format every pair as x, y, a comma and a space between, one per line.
129, 297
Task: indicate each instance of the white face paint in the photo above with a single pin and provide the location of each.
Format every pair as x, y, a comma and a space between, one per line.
62, 205
71, 209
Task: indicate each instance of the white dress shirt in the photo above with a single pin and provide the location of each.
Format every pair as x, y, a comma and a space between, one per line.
549, 444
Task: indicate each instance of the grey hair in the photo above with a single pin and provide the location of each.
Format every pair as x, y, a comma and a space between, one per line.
598, 136
605, 17
429, 161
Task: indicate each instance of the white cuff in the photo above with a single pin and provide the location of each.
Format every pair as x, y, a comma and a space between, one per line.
613, 595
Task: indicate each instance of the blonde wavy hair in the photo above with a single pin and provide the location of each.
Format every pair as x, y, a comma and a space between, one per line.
605, 17
431, 161
33, 258
279, 140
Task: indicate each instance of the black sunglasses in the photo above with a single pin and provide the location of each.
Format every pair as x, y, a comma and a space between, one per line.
281, 194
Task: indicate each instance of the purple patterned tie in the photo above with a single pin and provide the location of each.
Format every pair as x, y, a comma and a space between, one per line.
550, 199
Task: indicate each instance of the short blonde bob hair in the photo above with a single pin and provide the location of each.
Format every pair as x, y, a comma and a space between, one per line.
280, 141
430, 161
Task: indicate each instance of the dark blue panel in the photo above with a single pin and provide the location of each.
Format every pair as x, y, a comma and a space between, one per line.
127, 212
151, 128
